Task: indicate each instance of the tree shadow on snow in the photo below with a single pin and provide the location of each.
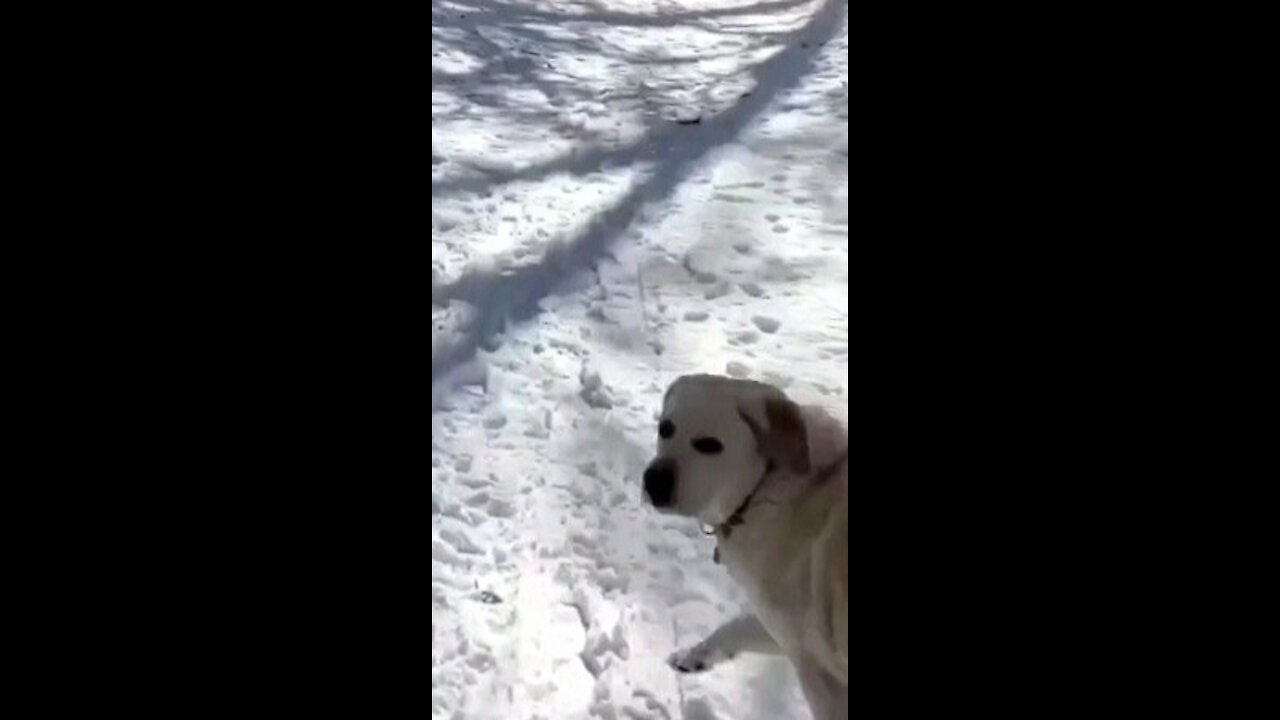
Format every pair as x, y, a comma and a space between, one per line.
493, 11
671, 150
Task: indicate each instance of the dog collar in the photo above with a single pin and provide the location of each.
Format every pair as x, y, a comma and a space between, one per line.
724, 529
736, 519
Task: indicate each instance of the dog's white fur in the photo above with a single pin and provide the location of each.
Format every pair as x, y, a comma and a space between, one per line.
790, 551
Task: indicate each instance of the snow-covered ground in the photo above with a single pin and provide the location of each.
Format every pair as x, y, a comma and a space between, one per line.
623, 191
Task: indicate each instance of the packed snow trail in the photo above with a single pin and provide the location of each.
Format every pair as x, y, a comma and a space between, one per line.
556, 593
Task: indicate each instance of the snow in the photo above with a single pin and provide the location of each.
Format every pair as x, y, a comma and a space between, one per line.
623, 191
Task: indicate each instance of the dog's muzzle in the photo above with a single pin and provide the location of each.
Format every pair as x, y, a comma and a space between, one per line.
660, 482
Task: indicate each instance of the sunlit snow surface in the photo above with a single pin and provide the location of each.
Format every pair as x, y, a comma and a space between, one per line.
623, 191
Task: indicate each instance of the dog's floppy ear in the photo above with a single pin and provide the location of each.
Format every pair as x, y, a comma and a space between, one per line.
779, 430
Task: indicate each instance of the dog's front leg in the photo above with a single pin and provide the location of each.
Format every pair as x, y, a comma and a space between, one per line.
739, 635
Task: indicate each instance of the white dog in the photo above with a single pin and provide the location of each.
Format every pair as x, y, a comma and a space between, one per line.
772, 478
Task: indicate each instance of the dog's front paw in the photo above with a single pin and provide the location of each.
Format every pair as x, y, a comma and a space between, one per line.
696, 659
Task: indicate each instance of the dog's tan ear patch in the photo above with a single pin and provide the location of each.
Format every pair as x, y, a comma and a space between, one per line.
784, 440
788, 440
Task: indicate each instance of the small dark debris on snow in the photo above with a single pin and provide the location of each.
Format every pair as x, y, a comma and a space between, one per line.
489, 597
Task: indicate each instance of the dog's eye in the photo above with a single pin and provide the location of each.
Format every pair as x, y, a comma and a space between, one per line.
709, 446
666, 429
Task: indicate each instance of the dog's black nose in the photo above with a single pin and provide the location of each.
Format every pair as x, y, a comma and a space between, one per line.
660, 482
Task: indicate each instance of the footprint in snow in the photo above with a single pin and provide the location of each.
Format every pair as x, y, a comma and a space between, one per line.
766, 324
717, 291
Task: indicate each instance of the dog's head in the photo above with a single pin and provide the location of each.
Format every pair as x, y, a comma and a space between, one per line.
717, 437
